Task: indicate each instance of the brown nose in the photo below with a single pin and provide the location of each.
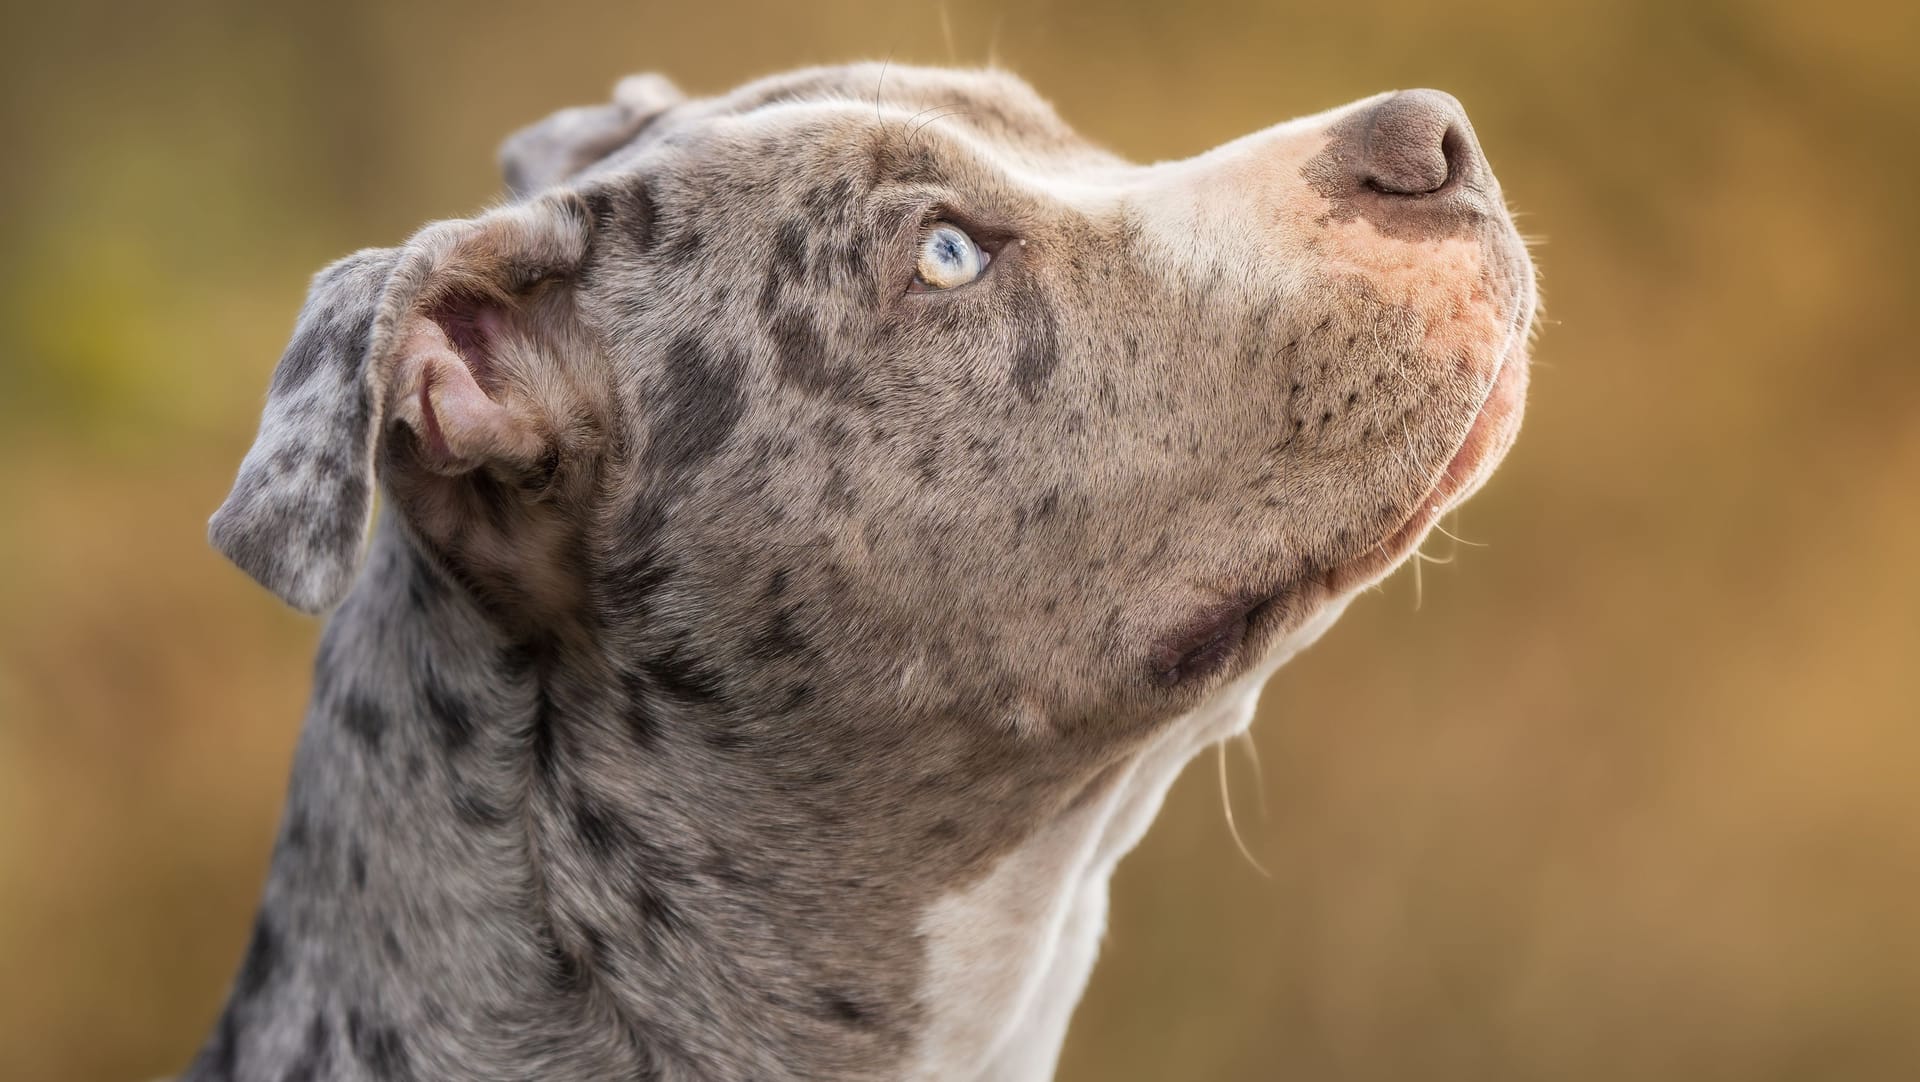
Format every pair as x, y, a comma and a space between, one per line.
1416, 143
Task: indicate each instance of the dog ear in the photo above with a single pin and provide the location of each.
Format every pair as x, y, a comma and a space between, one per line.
433, 337
563, 144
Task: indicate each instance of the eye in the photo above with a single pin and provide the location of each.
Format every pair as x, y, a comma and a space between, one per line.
948, 258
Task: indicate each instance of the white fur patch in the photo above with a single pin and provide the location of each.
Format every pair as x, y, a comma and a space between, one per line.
1009, 956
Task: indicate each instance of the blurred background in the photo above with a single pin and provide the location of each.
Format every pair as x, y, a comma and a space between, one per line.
1628, 793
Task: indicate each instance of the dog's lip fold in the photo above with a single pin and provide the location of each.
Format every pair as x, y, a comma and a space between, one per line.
1210, 642
1214, 641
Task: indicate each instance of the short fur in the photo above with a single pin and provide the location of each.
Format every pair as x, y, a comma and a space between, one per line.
759, 667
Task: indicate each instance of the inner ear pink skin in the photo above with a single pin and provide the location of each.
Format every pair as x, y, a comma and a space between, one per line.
437, 392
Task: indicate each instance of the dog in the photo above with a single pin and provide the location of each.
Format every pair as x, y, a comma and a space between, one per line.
819, 523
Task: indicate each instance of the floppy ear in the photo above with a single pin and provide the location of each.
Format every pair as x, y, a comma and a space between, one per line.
421, 336
556, 148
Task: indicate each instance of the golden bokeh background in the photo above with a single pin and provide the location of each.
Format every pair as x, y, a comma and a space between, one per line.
1631, 792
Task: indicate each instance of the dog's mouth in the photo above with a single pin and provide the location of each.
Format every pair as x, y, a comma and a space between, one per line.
1486, 442
1259, 614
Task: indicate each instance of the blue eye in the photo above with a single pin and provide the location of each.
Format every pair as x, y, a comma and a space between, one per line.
948, 258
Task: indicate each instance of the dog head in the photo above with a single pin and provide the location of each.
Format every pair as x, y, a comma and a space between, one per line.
880, 393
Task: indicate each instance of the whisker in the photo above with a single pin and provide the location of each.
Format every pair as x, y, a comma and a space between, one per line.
878, 83
1413, 457
1419, 583
937, 117
1457, 539
924, 112
1252, 749
1226, 804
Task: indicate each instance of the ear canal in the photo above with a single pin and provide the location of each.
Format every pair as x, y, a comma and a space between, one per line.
368, 351
545, 153
437, 392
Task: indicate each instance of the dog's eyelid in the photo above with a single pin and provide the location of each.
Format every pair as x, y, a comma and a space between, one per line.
989, 236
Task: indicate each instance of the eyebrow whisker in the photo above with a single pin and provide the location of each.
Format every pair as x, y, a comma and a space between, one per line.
949, 114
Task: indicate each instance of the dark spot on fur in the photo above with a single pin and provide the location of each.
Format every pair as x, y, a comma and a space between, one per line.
565, 975
598, 954
1048, 504
379, 1047
452, 719
357, 865
926, 466
365, 719
684, 247
643, 722
632, 209
827, 199
852, 256
602, 211
769, 302
599, 829
261, 962
790, 248
218, 1060
426, 586
646, 577
516, 660
316, 1053
842, 1008
331, 469
801, 357
475, 810
497, 502
698, 407
338, 322
1037, 353
910, 163
684, 677
297, 830
836, 493
546, 757
780, 638
660, 915
726, 738
833, 434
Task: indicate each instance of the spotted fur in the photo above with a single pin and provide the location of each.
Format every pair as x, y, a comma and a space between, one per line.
758, 668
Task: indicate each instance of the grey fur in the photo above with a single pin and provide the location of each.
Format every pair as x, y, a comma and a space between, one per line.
790, 601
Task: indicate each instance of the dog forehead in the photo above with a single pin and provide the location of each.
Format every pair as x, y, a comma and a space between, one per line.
811, 118
995, 102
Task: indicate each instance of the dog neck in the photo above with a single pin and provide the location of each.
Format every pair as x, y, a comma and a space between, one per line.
476, 877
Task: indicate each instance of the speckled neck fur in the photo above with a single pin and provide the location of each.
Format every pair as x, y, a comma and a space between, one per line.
476, 879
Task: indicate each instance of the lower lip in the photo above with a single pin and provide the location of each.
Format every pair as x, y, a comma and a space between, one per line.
1493, 428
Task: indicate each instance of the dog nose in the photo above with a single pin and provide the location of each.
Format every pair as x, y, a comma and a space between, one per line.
1416, 143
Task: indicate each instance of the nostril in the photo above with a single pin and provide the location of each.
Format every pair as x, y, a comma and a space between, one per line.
1457, 150
1415, 143
1409, 163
